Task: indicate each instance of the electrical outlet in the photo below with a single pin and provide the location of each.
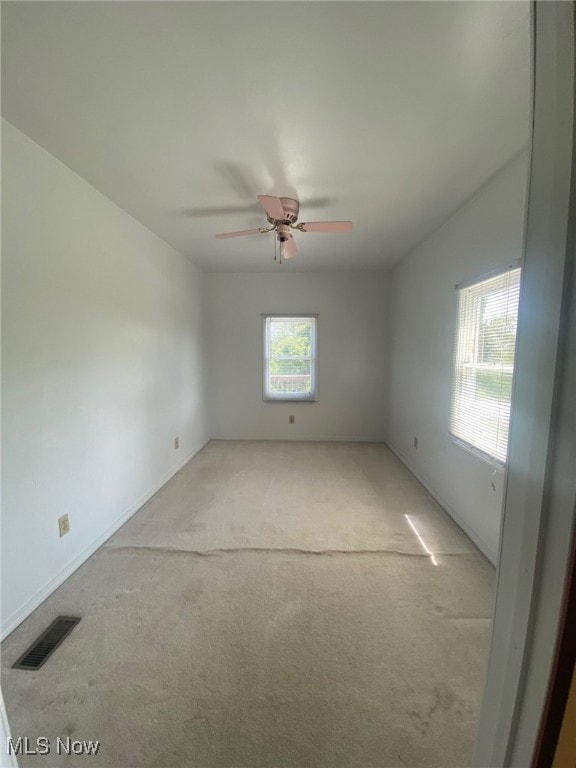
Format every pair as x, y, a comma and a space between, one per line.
290, 419
63, 525
176, 443
416, 443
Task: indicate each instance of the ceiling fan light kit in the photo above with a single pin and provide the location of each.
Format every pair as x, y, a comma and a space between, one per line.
282, 214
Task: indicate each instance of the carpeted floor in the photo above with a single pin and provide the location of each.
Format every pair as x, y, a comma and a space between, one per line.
271, 607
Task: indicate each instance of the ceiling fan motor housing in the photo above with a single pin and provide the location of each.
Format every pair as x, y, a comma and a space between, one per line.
291, 209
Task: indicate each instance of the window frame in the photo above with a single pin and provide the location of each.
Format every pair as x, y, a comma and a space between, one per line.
295, 398
461, 442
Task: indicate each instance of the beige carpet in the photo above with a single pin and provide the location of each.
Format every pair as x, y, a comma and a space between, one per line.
270, 607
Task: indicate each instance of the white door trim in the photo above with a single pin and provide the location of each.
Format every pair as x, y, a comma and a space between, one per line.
538, 519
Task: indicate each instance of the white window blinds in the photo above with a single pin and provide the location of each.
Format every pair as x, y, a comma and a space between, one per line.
290, 358
484, 363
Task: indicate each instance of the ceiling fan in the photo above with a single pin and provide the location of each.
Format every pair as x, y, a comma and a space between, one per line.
282, 214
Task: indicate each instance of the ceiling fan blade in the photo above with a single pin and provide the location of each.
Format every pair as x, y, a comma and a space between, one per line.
327, 226
272, 206
224, 235
289, 249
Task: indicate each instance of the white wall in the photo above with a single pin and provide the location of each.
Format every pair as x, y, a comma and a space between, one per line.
485, 234
103, 365
352, 337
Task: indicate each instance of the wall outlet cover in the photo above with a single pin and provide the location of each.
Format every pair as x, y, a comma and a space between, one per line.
63, 525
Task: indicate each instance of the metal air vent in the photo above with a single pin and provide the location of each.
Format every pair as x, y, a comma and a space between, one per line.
47, 643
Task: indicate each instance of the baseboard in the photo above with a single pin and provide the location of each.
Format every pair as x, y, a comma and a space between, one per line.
22, 613
305, 439
472, 535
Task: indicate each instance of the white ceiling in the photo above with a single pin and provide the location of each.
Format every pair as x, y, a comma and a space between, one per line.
387, 113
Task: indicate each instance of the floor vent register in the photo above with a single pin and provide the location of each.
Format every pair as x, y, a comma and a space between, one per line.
42, 648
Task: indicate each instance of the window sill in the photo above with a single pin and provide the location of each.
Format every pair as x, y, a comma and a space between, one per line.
485, 458
292, 400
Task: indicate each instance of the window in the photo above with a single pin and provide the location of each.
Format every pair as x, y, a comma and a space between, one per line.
290, 357
484, 363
